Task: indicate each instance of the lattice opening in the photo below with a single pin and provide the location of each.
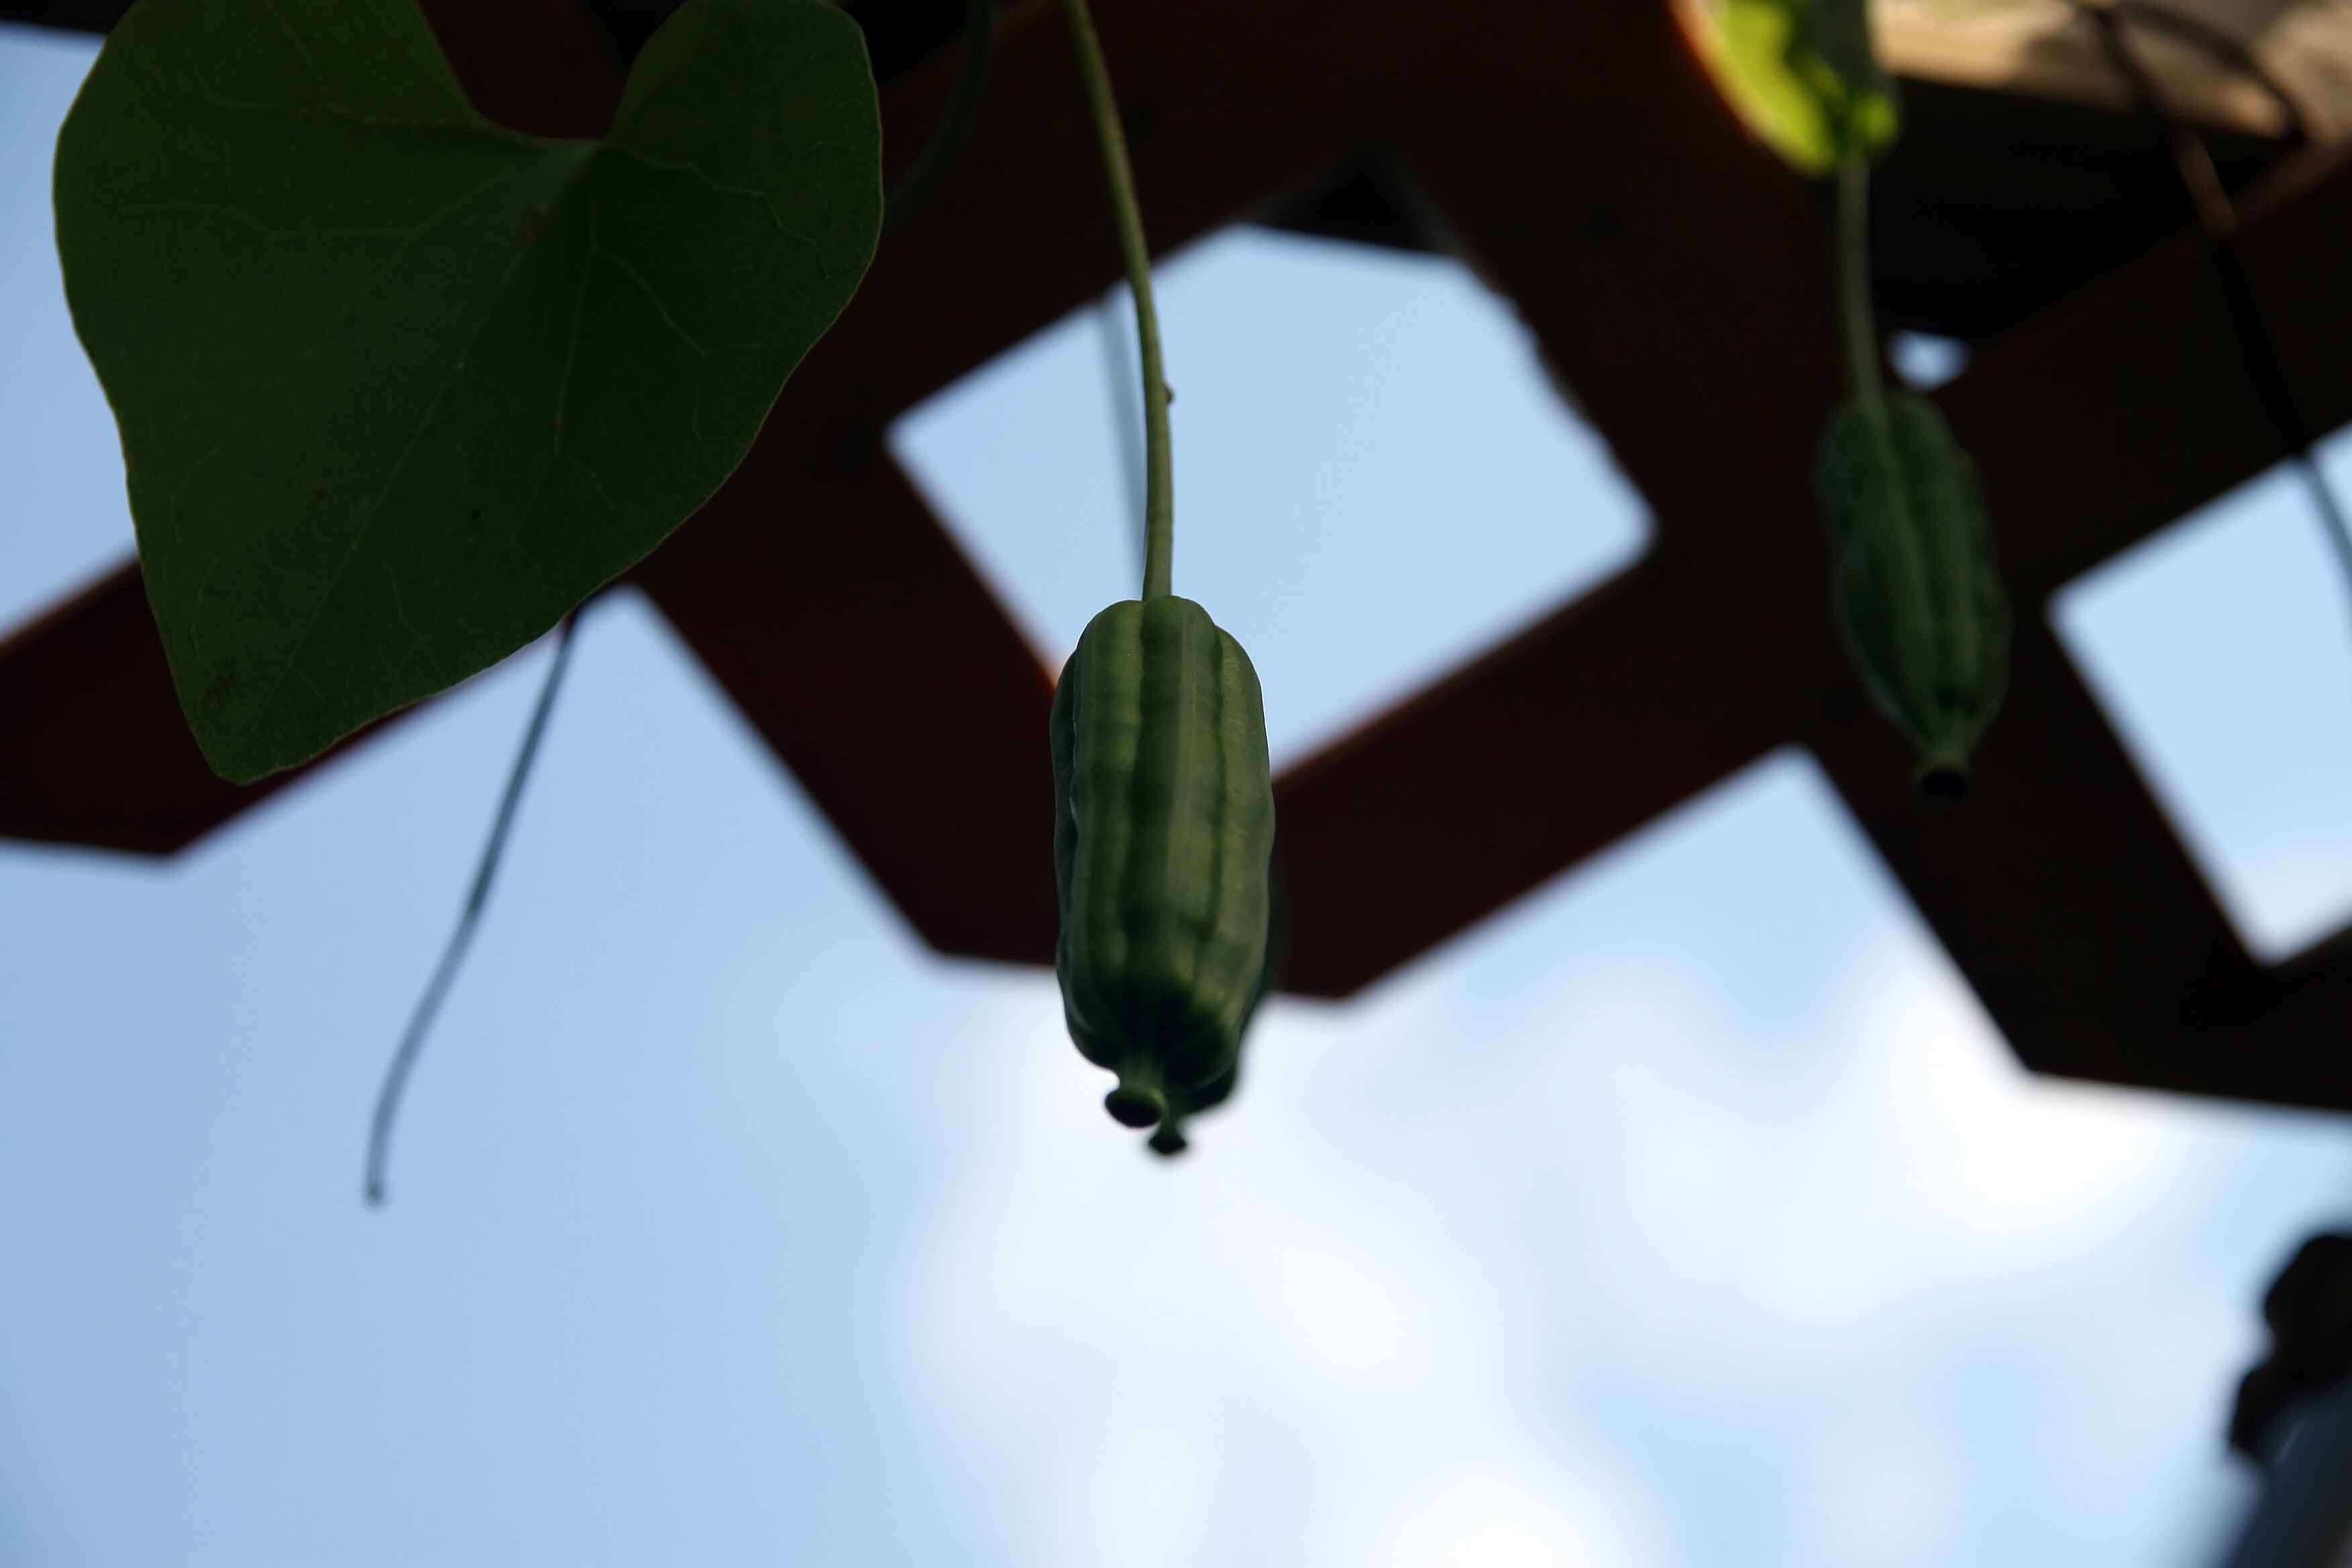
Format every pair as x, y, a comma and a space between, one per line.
1338, 408
1923, 359
2223, 648
67, 516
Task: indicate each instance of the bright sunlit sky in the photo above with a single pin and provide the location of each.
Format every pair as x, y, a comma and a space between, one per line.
1689, 1212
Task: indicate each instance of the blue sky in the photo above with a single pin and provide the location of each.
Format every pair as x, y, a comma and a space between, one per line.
1689, 1212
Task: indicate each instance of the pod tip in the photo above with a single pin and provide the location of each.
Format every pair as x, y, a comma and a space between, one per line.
1944, 780
1134, 1107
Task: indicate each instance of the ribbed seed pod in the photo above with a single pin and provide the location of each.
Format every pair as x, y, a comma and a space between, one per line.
1918, 598
1169, 1137
1163, 833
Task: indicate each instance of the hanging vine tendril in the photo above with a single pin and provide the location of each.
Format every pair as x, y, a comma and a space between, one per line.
904, 200
420, 1022
2217, 216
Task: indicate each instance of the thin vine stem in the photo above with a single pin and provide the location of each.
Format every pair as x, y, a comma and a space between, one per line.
2209, 199
1857, 326
915, 187
420, 1022
1126, 415
1158, 498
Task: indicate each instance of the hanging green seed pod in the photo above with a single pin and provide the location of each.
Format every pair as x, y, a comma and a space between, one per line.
1919, 602
1169, 1140
1163, 834
1169, 1137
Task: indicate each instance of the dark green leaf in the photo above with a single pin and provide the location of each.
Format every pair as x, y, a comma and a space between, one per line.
396, 388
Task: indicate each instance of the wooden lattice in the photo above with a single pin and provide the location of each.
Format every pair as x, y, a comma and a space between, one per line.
1678, 279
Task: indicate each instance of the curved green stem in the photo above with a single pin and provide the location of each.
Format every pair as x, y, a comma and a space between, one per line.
1159, 499
1856, 325
469, 919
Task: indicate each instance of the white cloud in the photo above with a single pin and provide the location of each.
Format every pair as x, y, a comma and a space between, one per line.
1135, 1331
1147, 1491
2019, 1166
1494, 1512
1356, 1325
1923, 1163
1884, 1489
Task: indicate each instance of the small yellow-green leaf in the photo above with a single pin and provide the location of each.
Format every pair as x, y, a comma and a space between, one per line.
397, 388
1803, 75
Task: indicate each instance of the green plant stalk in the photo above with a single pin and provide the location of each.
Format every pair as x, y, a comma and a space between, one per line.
1856, 327
1159, 501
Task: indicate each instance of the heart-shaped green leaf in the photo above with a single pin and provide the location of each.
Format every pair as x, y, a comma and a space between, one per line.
397, 388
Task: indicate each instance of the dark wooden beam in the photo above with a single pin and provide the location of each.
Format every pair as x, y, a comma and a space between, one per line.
1486, 784
2060, 888
1994, 206
66, 15
1677, 280
2057, 886
898, 33
857, 638
95, 752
